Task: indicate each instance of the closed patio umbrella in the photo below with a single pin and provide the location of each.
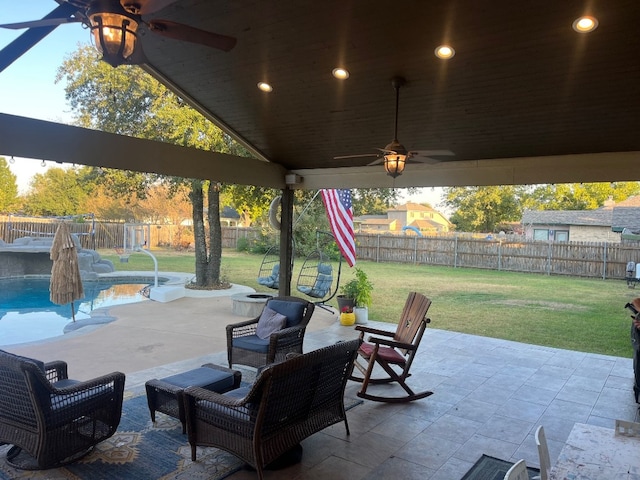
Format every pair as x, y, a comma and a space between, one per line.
65, 285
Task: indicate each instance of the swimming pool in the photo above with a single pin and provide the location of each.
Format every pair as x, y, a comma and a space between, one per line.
27, 314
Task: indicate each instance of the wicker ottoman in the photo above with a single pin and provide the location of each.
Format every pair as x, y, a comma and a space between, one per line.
165, 395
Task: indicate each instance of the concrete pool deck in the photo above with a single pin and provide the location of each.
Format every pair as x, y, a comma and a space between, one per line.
144, 335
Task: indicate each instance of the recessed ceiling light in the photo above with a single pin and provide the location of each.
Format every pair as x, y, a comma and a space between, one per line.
445, 52
340, 73
585, 24
265, 87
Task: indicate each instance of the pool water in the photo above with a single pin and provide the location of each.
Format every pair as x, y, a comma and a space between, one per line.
27, 314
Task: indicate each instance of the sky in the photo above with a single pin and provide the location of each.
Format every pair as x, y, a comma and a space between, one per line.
28, 88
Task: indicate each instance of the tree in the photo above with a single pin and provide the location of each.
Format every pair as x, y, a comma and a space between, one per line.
127, 100
56, 192
165, 205
252, 203
483, 209
8, 187
578, 196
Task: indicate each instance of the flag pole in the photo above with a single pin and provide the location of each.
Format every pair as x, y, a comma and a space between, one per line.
305, 209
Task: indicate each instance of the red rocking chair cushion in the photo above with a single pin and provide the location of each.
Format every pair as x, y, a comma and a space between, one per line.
386, 354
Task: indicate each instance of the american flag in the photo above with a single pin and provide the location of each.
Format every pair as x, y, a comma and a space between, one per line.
340, 214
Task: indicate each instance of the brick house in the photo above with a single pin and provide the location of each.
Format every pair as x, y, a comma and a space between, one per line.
602, 225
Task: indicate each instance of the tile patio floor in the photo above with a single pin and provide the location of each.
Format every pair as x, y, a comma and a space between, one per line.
489, 394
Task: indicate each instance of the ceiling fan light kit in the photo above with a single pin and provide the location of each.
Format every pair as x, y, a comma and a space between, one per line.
394, 165
395, 159
114, 31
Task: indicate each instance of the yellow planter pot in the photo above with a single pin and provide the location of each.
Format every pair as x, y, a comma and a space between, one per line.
347, 319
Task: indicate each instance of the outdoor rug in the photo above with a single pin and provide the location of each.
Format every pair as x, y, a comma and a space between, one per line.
491, 468
140, 450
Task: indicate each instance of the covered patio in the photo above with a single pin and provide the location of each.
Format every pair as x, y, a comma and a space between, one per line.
526, 99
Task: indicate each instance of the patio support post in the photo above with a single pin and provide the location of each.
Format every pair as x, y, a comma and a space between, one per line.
286, 242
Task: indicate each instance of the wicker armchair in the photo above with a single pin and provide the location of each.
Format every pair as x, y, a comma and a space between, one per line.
289, 402
49, 419
245, 348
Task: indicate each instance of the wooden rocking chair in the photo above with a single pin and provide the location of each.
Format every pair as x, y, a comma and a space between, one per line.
395, 353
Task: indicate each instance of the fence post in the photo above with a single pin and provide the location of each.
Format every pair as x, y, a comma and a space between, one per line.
455, 252
415, 250
604, 261
378, 249
549, 259
499, 255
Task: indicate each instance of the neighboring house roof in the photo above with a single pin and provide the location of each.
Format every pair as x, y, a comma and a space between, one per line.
229, 212
600, 217
626, 214
425, 224
626, 217
411, 206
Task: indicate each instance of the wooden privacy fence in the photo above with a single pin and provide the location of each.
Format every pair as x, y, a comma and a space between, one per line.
580, 259
99, 235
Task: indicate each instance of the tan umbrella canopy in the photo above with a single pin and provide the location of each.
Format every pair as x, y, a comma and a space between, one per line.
66, 284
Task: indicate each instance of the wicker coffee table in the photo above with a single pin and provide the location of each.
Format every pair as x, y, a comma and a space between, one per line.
166, 394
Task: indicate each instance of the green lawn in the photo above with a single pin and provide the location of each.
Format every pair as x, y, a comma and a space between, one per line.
571, 313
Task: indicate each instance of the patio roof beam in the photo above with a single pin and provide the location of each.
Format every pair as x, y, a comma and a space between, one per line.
592, 167
30, 138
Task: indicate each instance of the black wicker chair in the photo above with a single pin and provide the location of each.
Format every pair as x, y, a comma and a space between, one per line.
288, 402
49, 419
245, 348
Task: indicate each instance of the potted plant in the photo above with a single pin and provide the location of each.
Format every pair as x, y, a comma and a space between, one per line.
359, 289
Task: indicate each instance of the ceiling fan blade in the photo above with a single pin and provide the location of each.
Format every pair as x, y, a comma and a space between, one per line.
431, 153
28, 39
186, 33
427, 160
376, 162
426, 156
45, 22
145, 7
341, 157
385, 151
